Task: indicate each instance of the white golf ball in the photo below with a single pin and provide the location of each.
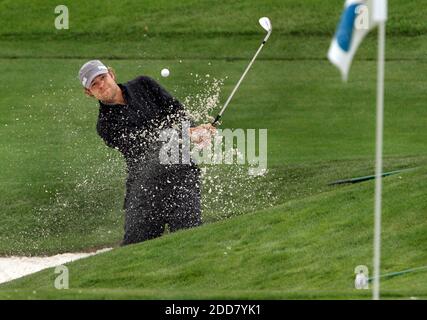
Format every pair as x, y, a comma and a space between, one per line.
165, 72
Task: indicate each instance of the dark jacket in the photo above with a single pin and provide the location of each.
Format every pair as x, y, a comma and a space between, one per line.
133, 128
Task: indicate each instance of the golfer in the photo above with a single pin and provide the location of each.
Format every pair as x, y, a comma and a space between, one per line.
131, 115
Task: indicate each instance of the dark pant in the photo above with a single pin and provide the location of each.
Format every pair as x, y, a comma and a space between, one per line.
156, 196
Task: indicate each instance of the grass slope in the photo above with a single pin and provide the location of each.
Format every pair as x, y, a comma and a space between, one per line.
290, 235
59, 180
305, 248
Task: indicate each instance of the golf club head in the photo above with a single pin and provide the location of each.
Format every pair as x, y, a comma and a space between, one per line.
265, 24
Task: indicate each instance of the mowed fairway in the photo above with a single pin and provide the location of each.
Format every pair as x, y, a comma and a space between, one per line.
289, 234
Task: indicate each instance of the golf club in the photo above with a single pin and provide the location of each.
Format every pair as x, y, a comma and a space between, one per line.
266, 24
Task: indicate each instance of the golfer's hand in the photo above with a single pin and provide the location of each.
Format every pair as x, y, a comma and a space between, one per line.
202, 134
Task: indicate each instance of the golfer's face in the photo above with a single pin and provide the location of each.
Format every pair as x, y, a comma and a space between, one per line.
102, 87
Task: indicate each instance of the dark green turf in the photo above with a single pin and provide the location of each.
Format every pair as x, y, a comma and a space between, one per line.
291, 235
307, 248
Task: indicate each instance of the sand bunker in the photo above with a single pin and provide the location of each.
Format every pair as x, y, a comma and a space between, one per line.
15, 267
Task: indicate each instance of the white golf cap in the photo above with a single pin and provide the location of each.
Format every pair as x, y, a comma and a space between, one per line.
90, 70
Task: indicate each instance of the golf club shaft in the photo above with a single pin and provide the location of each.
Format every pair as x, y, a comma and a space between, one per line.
218, 117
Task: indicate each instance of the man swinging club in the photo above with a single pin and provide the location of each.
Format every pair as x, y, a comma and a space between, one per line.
131, 116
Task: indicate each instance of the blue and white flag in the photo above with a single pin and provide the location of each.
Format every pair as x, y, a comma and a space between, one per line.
354, 25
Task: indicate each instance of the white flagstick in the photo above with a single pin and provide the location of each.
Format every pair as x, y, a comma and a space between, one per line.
380, 15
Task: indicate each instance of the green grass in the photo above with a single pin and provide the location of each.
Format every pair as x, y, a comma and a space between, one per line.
290, 234
194, 29
25, 19
71, 182
307, 247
